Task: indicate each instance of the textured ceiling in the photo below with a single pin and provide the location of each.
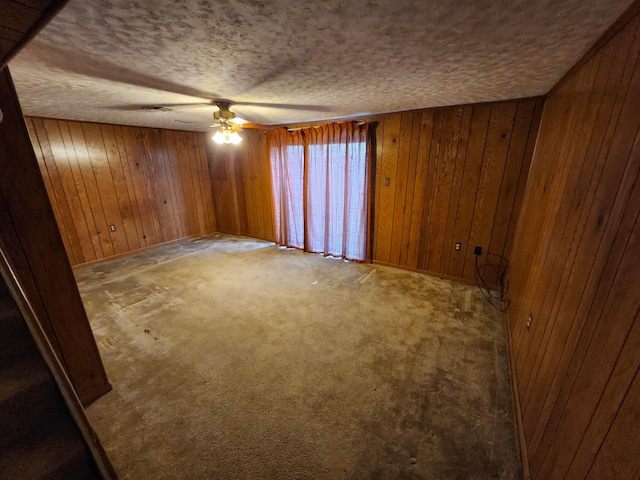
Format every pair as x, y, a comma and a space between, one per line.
102, 60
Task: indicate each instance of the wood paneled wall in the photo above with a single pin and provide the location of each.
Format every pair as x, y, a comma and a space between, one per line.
576, 271
241, 185
455, 174
30, 240
151, 185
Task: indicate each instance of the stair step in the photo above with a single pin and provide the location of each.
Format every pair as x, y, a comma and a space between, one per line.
28, 399
22, 373
60, 454
13, 329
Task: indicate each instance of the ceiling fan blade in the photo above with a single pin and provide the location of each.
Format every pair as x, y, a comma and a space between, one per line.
199, 123
75, 62
164, 107
285, 106
257, 126
244, 123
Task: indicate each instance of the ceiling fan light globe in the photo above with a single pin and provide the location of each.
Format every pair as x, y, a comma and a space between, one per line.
218, 137
226, 135
235, 138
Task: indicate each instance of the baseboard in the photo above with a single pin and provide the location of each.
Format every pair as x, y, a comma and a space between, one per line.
433, 274
245, 235
516, 396
139, 250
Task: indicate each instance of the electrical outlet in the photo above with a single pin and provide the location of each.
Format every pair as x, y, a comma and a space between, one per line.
529, 320
112, 228
387, 181
458, 246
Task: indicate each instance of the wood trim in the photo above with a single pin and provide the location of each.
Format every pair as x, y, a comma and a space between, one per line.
255, 238
622, 21
80, 266
526, 475
432, 274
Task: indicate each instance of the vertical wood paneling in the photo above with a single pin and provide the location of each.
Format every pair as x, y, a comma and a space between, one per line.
522, 180
491, 179
401, 186
194, 212
120, 187
575, 268
432, 171
456, 188
241, 185
411, 190
618, 456
126, 160
419, 186
138, 188
176, 183
454, 176
42, 150
511, 177
443, 186
384, 219
106, 191
467, 199
152, 185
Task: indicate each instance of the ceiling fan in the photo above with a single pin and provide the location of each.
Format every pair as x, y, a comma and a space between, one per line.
224, 119
229, 125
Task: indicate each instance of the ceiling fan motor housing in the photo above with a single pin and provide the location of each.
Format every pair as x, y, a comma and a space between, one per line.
224, 113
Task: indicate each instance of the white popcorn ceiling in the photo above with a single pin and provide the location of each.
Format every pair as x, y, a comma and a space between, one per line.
103, 60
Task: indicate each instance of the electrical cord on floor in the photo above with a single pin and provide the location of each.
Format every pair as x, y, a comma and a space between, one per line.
495, 298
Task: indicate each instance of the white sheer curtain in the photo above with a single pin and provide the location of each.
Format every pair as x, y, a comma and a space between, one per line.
321, 189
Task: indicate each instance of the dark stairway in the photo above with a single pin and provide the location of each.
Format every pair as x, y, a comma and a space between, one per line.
39, 438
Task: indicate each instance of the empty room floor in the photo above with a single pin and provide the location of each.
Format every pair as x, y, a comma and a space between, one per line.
231, 358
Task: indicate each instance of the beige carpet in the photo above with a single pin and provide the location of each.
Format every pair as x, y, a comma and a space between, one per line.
234, 359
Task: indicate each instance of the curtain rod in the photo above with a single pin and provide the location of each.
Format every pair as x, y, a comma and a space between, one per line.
295, 129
